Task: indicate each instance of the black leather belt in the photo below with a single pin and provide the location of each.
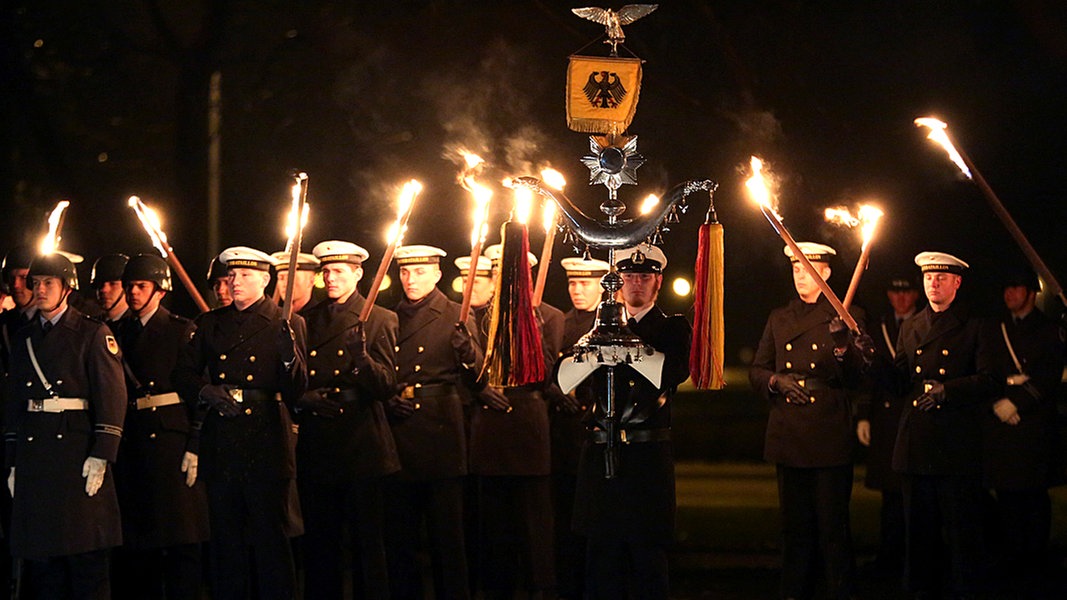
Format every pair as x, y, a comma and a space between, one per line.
425, 391
635, 436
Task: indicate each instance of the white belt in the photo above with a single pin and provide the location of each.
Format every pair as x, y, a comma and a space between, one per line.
57, 405
158, 400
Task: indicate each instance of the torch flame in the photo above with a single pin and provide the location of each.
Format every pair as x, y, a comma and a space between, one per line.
523, 204
151, 223
480, 217
50, 243
405, 200
548, 214
553, 178
759, 188
869, 216
650, 203
866, 219
290, 219
939, 134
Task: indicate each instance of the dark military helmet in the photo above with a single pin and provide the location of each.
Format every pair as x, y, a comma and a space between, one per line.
148, 267
216, 270
107, 268
18, 257
1022, 277
54, 265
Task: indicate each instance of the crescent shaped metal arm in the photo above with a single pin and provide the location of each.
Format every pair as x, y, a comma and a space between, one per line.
626, 232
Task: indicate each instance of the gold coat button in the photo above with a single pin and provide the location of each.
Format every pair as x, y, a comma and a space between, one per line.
59, 436
811, 399
311, 372
340, 353
313, 353
248, 411
151, 436
944, 352
153, 409
812, 365
251, 359
918, 351
29, 439
941, 370
222, 357
788, 365
336, 372
222, 376
249, 378
788, 347
396, 348
886, 405
418, 368
151, 384
814, 346
397, 368
29, 384
421, 349
418, 385
918, 369
631, 383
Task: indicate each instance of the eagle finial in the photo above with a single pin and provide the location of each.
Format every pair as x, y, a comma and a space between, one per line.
613, 21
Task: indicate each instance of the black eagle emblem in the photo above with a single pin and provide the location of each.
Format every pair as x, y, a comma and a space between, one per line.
605, 92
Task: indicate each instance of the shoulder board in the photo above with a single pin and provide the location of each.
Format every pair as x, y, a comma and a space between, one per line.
178, 318
99, 320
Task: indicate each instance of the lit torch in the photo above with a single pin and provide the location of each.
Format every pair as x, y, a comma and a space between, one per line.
405, 202
295, 232
939, 133
553, 179
867, 221
152, 225
50, 243
760, 192
481, 196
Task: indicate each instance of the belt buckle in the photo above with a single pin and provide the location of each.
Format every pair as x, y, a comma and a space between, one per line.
238, 395
36, 405
408, 393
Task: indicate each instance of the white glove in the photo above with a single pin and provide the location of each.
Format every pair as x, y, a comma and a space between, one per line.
11, 482
189, 464
863, 432
93, 471
1006, 411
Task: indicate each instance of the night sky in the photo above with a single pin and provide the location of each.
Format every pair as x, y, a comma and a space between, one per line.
106, 101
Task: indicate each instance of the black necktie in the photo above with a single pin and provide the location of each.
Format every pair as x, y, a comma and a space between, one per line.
46, 326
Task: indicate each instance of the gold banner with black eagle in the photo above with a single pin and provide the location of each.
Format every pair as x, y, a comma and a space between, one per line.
602, 93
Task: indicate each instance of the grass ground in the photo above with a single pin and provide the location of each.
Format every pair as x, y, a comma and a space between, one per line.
728, 533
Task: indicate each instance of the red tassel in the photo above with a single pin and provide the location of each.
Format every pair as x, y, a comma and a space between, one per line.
514, 356
706, 356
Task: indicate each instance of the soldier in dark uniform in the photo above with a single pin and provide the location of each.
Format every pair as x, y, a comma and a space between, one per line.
303, 287
346, 447
164, 506
15, 267
1020, 431
628, 520
482, 289
243, 368
435, 354
509, 452
65, 406
218, 279
805, 372
943, 367
106, 281
565, 424
876, 428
